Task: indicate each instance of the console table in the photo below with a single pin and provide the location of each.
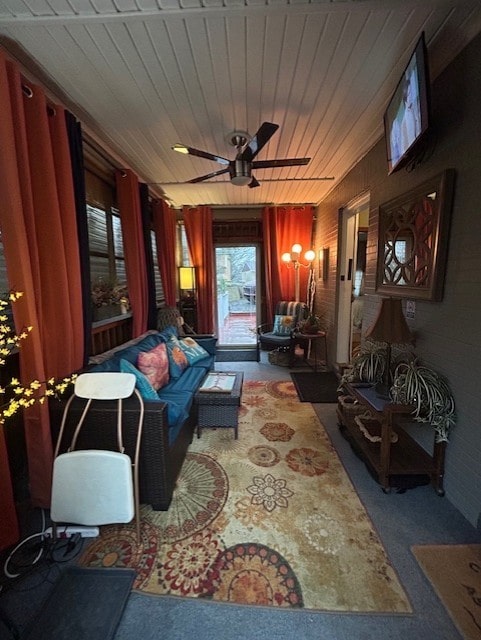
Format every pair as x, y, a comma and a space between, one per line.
387, 459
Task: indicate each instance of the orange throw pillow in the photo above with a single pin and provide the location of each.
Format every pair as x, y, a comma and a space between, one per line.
154, 364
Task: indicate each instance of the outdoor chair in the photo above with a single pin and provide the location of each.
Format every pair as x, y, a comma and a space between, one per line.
281, 333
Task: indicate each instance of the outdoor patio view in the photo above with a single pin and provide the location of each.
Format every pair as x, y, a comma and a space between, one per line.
236, 295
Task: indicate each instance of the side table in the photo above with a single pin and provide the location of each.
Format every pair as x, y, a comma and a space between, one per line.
219, 408
310, 341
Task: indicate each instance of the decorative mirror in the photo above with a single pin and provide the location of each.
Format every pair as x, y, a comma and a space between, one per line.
413, 240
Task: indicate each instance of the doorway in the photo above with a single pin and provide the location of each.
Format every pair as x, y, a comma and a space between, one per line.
353, 242
237, 304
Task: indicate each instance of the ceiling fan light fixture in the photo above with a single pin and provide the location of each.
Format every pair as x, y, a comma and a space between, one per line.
241, 173
240, 181
181, 148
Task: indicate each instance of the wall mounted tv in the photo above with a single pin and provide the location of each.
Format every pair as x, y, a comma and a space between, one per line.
407, 117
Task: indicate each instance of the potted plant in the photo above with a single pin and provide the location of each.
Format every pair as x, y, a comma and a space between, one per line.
312, 324
429, 393
367, 365
109, 298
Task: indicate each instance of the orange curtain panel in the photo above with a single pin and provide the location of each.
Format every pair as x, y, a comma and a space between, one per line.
134, 247
39, 235
198, 229
283, 227
164, 226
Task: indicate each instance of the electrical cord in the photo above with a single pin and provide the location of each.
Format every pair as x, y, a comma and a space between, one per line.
52, 550
7, 573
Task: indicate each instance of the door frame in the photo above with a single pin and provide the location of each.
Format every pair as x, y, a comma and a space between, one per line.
347, 257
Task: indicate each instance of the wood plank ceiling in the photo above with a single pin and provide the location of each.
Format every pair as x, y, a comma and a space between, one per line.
143, 75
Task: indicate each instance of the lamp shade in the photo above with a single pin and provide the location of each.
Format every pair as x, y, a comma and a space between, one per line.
186, 278
390, 325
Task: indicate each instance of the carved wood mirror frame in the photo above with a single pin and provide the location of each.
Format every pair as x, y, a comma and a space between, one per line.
413, 240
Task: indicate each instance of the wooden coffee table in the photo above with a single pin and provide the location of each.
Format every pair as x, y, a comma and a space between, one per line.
217, 408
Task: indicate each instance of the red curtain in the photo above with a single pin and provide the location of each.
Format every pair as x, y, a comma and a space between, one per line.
283, 227
165, 227
39, 235
134, 248
198, 229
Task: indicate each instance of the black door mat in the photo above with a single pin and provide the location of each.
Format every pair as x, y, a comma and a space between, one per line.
316, 387
236, 355
84, 604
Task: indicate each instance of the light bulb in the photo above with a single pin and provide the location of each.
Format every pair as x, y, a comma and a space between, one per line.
296, 248
286, 257
310, 255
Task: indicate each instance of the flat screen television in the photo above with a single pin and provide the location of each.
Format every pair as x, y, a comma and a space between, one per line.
407, 117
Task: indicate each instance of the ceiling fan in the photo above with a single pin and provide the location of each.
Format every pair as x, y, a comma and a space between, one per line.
240, 169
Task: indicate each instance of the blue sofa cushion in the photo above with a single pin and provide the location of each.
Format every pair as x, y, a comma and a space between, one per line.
168, 333
208, 342
178, 404
178, 361
189, 382
142, 383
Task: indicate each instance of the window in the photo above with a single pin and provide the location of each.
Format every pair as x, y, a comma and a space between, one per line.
184, 258
159, 289
107, 262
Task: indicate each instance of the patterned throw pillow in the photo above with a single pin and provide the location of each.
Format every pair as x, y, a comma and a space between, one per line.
283, 325
177, 359
192, 350
146, 390
154, 364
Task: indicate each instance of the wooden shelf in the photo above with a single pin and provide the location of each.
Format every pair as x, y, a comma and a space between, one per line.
388, 460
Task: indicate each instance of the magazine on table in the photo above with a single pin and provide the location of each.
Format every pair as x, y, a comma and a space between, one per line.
218, 382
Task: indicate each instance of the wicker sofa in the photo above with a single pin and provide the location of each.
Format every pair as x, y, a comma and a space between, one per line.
169, 420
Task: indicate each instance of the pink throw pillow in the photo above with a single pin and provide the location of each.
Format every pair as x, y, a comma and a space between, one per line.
154, 364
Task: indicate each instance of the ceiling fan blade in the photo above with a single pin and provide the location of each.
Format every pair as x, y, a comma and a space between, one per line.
258, 141
254, 183
201, 154
287, 162
209, 175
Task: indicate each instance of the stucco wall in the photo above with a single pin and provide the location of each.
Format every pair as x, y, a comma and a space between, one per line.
448, 333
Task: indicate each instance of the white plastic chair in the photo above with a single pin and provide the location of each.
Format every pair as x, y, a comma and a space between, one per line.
93, 486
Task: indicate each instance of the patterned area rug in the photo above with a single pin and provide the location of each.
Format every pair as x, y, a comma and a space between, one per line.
454, 571
271, 519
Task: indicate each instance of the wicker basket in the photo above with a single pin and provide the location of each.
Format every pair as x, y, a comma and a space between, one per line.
350, 406
279, 357
371, 428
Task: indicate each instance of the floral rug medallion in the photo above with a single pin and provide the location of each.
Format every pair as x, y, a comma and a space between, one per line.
270, 519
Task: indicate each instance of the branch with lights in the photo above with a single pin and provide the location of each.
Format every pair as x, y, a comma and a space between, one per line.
22, 396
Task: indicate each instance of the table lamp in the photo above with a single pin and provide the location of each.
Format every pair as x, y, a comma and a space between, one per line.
390, 327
